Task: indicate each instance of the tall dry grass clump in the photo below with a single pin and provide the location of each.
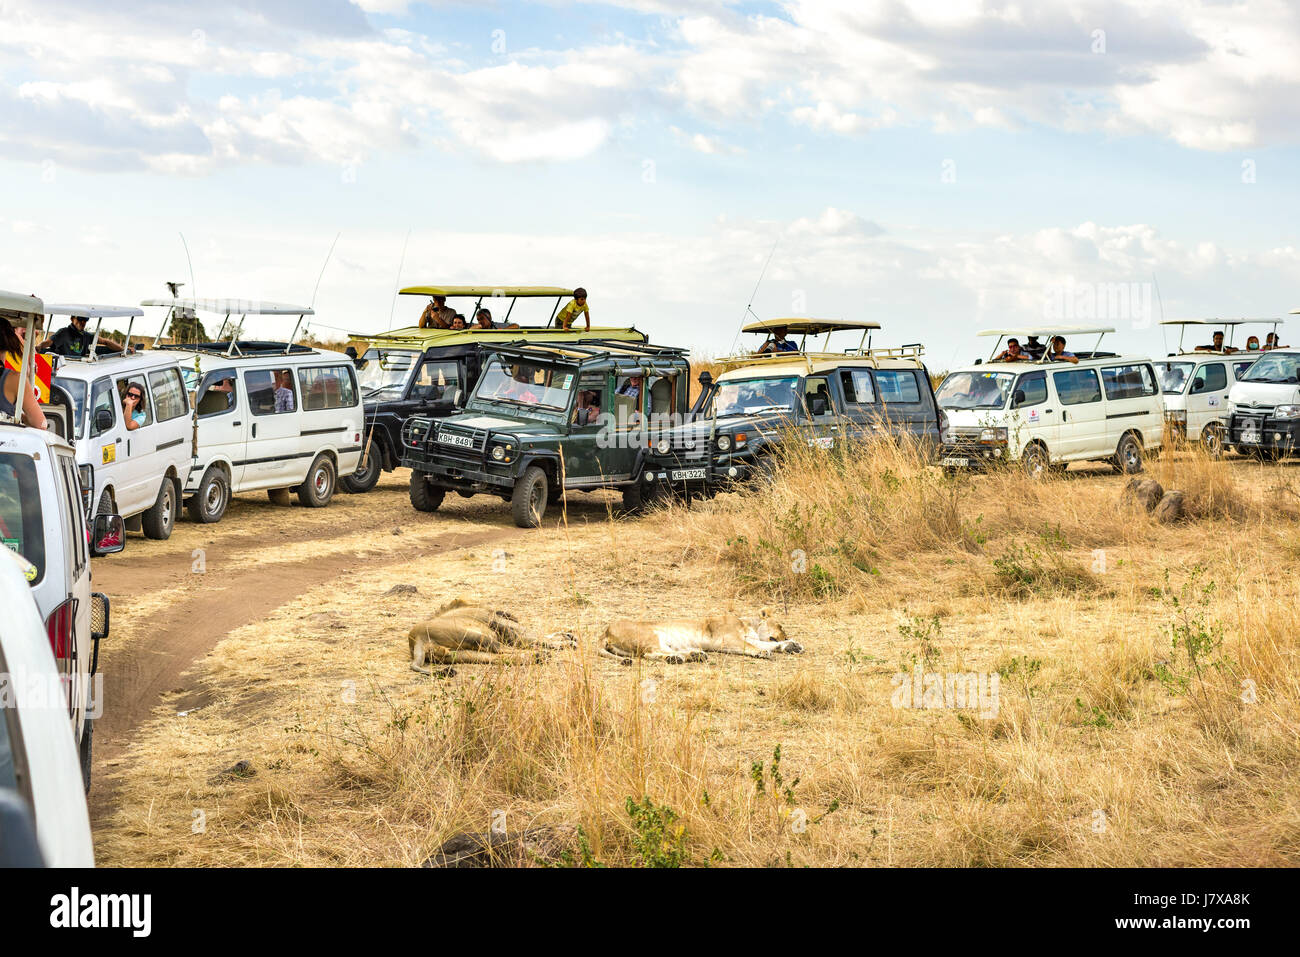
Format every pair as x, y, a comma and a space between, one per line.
1215, 489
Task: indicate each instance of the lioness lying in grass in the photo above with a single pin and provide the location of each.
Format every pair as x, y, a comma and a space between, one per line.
461, 632
675, 641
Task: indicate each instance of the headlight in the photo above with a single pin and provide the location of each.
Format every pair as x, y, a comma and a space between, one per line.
664, 447
87, 477
724, 443
1287, 412
499, 452
1176, 415
993, 435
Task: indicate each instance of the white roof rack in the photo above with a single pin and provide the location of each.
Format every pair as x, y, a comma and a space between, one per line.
1041, 331
234, 307
17, 302
1213, 322
93, 312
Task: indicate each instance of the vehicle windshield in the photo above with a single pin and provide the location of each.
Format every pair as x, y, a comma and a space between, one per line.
975, 390
382, 373
1275, 367
20, 510
755, 396
76, 390
1174, 376
528, 384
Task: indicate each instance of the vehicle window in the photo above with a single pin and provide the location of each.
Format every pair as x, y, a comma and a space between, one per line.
1174, 375
76, 390
20, 510
662, 394
270, 391
1214, 378
326, 387
817, 392
975, 390
217, 394
437, 381
858, 387
103, 396
1239, 368
1277, 367
72, 496
897, 385
144, 412
526, 384
1034, 386
168, 394
382, 373
755, 396
1077, 386
591, 401
1128, 382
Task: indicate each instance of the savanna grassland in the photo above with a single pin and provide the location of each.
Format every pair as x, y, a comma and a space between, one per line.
1148, 682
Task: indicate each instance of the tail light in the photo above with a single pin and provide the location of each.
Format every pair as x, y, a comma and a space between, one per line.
62, 642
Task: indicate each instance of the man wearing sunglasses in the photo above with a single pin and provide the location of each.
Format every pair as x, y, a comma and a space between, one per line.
133, 407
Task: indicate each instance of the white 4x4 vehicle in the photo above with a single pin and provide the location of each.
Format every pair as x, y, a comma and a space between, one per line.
132, 468
43, 522
1045, 414
1264, 406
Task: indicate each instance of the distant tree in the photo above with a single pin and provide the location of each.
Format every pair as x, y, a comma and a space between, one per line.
186, 327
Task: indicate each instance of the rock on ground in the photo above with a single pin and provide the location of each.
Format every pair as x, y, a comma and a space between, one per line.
534, 845
1170, 508
1144, 492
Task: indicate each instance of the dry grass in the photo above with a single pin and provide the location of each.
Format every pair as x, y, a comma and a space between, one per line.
1148, 708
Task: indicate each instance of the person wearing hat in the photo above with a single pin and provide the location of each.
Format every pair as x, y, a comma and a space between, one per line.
11, 345
74, 341
778, 342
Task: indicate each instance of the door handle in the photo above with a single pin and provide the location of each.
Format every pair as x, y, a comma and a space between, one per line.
254, 430
1065, 416
236, 423
1045, 412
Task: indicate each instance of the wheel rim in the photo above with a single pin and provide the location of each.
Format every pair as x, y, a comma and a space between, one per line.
1036, 464
1213, 442
213, 498
1131, 457
321, 481
167, 505
535, 499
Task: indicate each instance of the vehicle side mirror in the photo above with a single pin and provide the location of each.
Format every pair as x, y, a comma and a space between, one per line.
103, 419
1198, 385
19, 848
108, 535
456, 397
979, 362
1017, 398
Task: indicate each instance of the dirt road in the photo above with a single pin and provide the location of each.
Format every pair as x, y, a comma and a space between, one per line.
173, 601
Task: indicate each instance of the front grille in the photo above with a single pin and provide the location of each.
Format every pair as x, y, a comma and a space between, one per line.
464, 443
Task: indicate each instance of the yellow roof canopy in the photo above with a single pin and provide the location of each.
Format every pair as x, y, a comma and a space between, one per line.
493, 292
809, 327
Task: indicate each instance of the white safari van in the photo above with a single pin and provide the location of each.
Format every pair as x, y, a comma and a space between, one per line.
134, 467
1045, 413
43, 531
270, 416
1196, 381
1264, 407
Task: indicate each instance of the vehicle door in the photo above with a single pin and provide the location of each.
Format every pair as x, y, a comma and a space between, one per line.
173, 431
1208, 397
906, 403
330, 417
1133, 402
824, 413
857, 394
596, 450
273, 454
77, 557
223, 423
1035, 415
137, 455
1083, 414
107, 434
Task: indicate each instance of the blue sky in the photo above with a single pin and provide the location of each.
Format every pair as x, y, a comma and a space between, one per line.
939, 167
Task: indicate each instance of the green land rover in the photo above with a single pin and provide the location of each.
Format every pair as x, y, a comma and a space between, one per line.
547, 420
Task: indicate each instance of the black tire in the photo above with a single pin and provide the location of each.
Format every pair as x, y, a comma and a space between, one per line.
528, 503
279, 496
425, 496
85, 748
1035, 461
639, 496
318, 487
1128, 455
1214, 441
210, 502
159, 519
367, 474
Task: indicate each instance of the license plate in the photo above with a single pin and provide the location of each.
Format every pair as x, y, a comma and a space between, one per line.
955, 460
463, 441
1250, 433
683, 475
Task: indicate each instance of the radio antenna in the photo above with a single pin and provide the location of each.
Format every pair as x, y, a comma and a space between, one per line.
398, 281
749, 306
322, 268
